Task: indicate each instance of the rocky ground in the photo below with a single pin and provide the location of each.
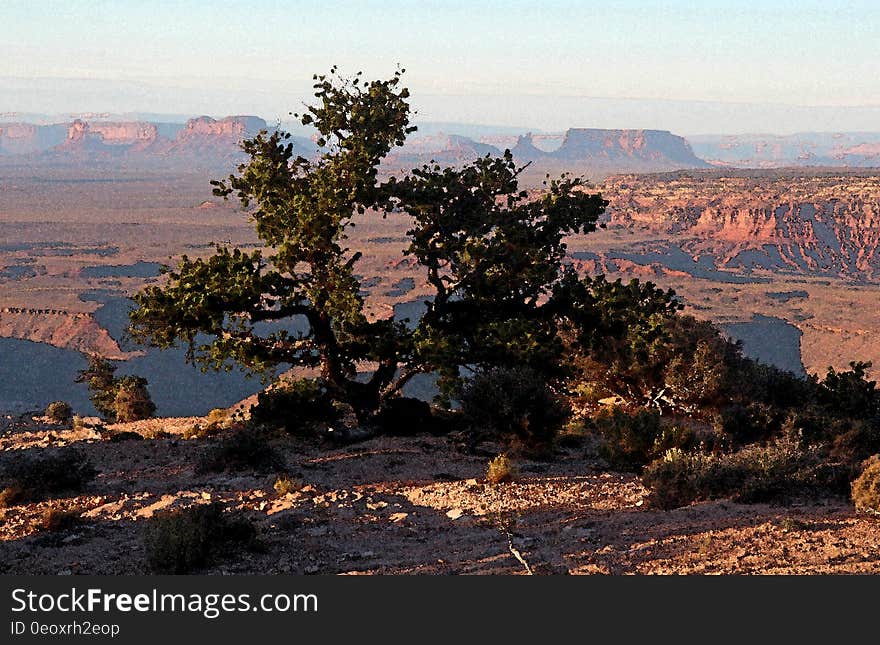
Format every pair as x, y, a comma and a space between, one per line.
416, 505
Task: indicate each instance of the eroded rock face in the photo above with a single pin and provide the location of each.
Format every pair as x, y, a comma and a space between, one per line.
812, 225
231, 126
26, 138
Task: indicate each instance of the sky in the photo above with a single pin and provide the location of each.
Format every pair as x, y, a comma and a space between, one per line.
709, 66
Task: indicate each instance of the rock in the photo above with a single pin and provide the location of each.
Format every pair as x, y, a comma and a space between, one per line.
454, 514
398, 517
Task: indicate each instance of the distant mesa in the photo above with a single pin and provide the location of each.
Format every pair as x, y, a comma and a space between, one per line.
834, 149
625, 148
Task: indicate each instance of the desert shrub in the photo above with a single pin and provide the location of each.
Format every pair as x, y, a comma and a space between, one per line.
298, 407
55, 520
38, 478
753, 474
241, 451
866, 487
860, 440
745, 424
404, 416
180, 541
513, 404
202, 431
284, 485
500, 470
78, 422
752, 381
59, 412
132, 401
850, 393
10, 496
630, 440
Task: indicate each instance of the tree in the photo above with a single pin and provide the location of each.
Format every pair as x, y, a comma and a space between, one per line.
492, 255
100, 378
117, 399
132, 401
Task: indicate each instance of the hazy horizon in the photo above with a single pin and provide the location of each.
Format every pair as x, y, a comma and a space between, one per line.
718, 67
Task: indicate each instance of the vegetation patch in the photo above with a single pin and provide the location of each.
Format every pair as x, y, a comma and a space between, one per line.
866, 487
32, 479
242, 451
182, 541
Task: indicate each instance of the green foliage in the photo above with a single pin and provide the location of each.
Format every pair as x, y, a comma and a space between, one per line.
100, 378
513, 404
756, 473
630, 440
59, 412
866, 487
298, 406
850, 393
182, 541
241, 451
132, 401
492, 254
117, 399
31, 479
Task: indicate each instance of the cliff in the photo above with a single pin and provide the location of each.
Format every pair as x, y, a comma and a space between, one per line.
812, 225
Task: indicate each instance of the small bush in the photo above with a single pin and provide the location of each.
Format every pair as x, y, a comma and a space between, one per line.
133, 402
299, 407
500, 470
59, 412
55, 520
866, 487
241, 451
284, 485
859, 441
10, 496
752, 474
78, 423
181, 541
630, 441
37, 478
513, 404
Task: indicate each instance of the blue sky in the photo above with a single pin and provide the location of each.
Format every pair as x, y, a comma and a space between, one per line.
542, 63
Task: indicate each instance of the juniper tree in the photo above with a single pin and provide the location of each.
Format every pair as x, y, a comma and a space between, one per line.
492, 254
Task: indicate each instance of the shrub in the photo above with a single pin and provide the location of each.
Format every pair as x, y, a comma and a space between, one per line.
850, 393
241, 451
860, 441
40, 477
629, 441
513, 404
10, 496
132, 401
298, 407
284, 485
866, 487
180, 541
752, 474
59, 412
749, 423
404, 416
54, 519
78, 423
500, 470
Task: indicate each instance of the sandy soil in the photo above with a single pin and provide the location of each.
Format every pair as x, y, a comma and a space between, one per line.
415, 506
